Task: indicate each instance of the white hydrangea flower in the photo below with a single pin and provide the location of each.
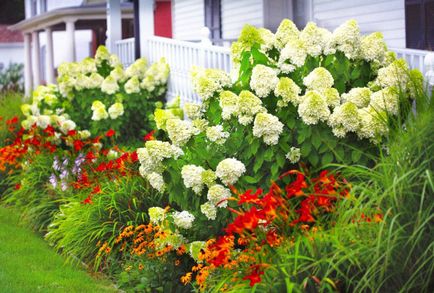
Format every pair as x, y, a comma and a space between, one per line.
268, 127
373, 124
95, 80
373, 47
293, 155
315, 39
209, 210
118, 74
180, 131
192, 176
116, 110
332, 97
43, 121
132, 85
162, 150
102, 54
99, 111
206, 82
318, 79
345, 118
263, 81
201, 124
193, 111
229, 104
156, 215
218, 195
268, 39
288, 90
114, 61
112, 154
346, 38
183, 219
216, 134
138, 68
159, 72
248, 106
360, 96
396, 74
386, 99
230, 170
29, 122
109, 85
84, 134
286, 30
295, 52
156, 180
88, 65
67, 125
313, 108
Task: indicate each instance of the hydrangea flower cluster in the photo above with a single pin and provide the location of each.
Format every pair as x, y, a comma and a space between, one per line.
208, 81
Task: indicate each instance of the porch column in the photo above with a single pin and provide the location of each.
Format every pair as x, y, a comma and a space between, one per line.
28, 80
70, 36
146, 12
114, 24
36, 60
49, 64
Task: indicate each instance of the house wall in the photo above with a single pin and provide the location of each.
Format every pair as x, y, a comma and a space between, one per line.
11, 52
188, 18
386, 16
235, 14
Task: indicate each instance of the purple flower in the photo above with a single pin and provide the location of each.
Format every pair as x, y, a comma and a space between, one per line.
53, 180
64, 185
56, 164
64, 174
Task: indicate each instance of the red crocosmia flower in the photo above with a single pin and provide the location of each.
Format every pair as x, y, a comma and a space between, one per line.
78, 145
17, 186
110, 133
49, 130
87, 200
96, 139
248, 197
149, 136
96, 190
273, 238
51, 147
295, 188
13, 120
90, 156
134, 157
72, 133
102, 167
254, 277
246, 221
105, 152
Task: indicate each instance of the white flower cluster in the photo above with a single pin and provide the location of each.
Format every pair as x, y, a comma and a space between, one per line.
156, 215
151, 161
293, 155
180, 131
192, 176
207, 82
360, 96
217, 134
268, 127
346, 38
193, 111
318, 79
230, 170
183, 219
394, 75
288, 91
99, 111
263, 81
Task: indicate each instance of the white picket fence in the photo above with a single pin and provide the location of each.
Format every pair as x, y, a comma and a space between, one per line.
182, 55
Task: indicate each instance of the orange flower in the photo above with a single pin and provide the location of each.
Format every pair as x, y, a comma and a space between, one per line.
186, 278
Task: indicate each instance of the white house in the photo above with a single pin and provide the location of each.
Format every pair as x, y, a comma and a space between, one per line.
11, 47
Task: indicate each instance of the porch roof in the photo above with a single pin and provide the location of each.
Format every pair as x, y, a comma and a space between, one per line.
56, 18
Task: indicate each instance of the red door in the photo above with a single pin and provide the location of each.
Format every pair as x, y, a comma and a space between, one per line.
163, 19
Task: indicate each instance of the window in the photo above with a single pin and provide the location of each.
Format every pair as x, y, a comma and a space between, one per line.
33, 7
43, 6
213, 18
419, 24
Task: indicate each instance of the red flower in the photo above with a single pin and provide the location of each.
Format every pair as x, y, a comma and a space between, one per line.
13, 120
49, 130
149, 136
110, 133
254, 277
134, 157
17, 186
88, 200
248, 197
102, 167
78, 145
96, 190
72, 133
90, 156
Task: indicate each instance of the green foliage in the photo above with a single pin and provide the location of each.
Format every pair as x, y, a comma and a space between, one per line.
11, 78
10, 103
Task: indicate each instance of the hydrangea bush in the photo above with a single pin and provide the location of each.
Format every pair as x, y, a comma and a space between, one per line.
99, 94
311, 96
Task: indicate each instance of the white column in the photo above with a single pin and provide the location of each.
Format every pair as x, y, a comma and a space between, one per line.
70, 38
36, 60
49, 64
146, 12
28, 81
114, 24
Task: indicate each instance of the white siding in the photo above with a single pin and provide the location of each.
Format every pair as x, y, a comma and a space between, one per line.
235, 14
11, 53
386, 16
188, 17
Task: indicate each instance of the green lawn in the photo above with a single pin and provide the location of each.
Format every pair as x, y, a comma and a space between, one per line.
28, 264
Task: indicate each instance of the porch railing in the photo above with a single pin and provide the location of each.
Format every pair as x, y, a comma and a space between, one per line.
182, 55
414, 58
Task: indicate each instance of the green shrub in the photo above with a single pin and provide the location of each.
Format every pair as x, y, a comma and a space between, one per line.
11, 78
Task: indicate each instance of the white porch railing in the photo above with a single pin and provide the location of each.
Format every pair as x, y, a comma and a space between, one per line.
414, 58
125, 51
182, 55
